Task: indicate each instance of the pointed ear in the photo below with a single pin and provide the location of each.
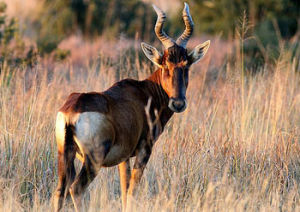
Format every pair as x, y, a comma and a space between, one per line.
152, 53
198, 52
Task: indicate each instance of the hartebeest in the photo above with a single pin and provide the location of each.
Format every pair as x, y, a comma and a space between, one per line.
106, 129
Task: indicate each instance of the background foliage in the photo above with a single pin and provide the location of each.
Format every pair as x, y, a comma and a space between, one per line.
12, 48
270, 22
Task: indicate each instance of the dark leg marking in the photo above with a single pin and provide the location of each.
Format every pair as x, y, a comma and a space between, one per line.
142, 157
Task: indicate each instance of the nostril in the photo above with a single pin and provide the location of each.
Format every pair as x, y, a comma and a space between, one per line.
178, 104
174, 104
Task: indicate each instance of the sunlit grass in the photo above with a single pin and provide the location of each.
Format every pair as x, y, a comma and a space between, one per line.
216, 156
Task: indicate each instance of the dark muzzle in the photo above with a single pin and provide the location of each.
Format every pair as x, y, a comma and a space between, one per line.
177, 105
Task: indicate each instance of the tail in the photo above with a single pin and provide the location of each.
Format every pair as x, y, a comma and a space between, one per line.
70, 152
68, 158
66, 155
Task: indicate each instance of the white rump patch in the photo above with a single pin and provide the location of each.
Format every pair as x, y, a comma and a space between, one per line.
89, 126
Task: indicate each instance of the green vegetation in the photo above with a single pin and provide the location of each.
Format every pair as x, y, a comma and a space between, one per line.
13, 50
270, 22
61, 18
273, 24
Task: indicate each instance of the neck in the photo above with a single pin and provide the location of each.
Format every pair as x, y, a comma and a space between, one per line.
159, 98
156, 90
155, 77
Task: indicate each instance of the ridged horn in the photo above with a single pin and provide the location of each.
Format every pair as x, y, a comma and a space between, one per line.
162, 36
189, 27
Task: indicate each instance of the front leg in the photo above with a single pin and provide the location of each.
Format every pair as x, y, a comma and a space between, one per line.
124, 171
142, 158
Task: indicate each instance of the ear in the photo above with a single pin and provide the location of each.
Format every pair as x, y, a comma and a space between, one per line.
198, 52
152, 53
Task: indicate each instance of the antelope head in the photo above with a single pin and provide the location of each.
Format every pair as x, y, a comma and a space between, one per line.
175, 61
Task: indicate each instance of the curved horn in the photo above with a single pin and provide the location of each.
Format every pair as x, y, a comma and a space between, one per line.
189, 27
162, 36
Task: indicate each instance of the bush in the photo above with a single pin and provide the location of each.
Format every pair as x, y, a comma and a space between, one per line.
13, 50
60, 18
273, 24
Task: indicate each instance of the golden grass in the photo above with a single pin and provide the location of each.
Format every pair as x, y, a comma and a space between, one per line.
219, 155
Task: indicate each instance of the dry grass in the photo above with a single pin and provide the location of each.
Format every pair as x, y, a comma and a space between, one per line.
229, 151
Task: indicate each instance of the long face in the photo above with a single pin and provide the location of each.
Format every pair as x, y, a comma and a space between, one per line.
175, 62
175, 77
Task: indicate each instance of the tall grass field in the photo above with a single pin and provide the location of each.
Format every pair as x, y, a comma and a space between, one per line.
235, 148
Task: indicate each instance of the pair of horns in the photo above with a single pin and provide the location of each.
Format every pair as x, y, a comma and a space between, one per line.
164, 38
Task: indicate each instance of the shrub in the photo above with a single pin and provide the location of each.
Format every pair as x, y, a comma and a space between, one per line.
13, 50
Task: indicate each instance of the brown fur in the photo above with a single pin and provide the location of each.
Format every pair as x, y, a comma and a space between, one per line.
83, 102
124, 106
125, 130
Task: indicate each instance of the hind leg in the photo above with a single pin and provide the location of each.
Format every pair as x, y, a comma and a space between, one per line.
81, 182
66, 175
89, 170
